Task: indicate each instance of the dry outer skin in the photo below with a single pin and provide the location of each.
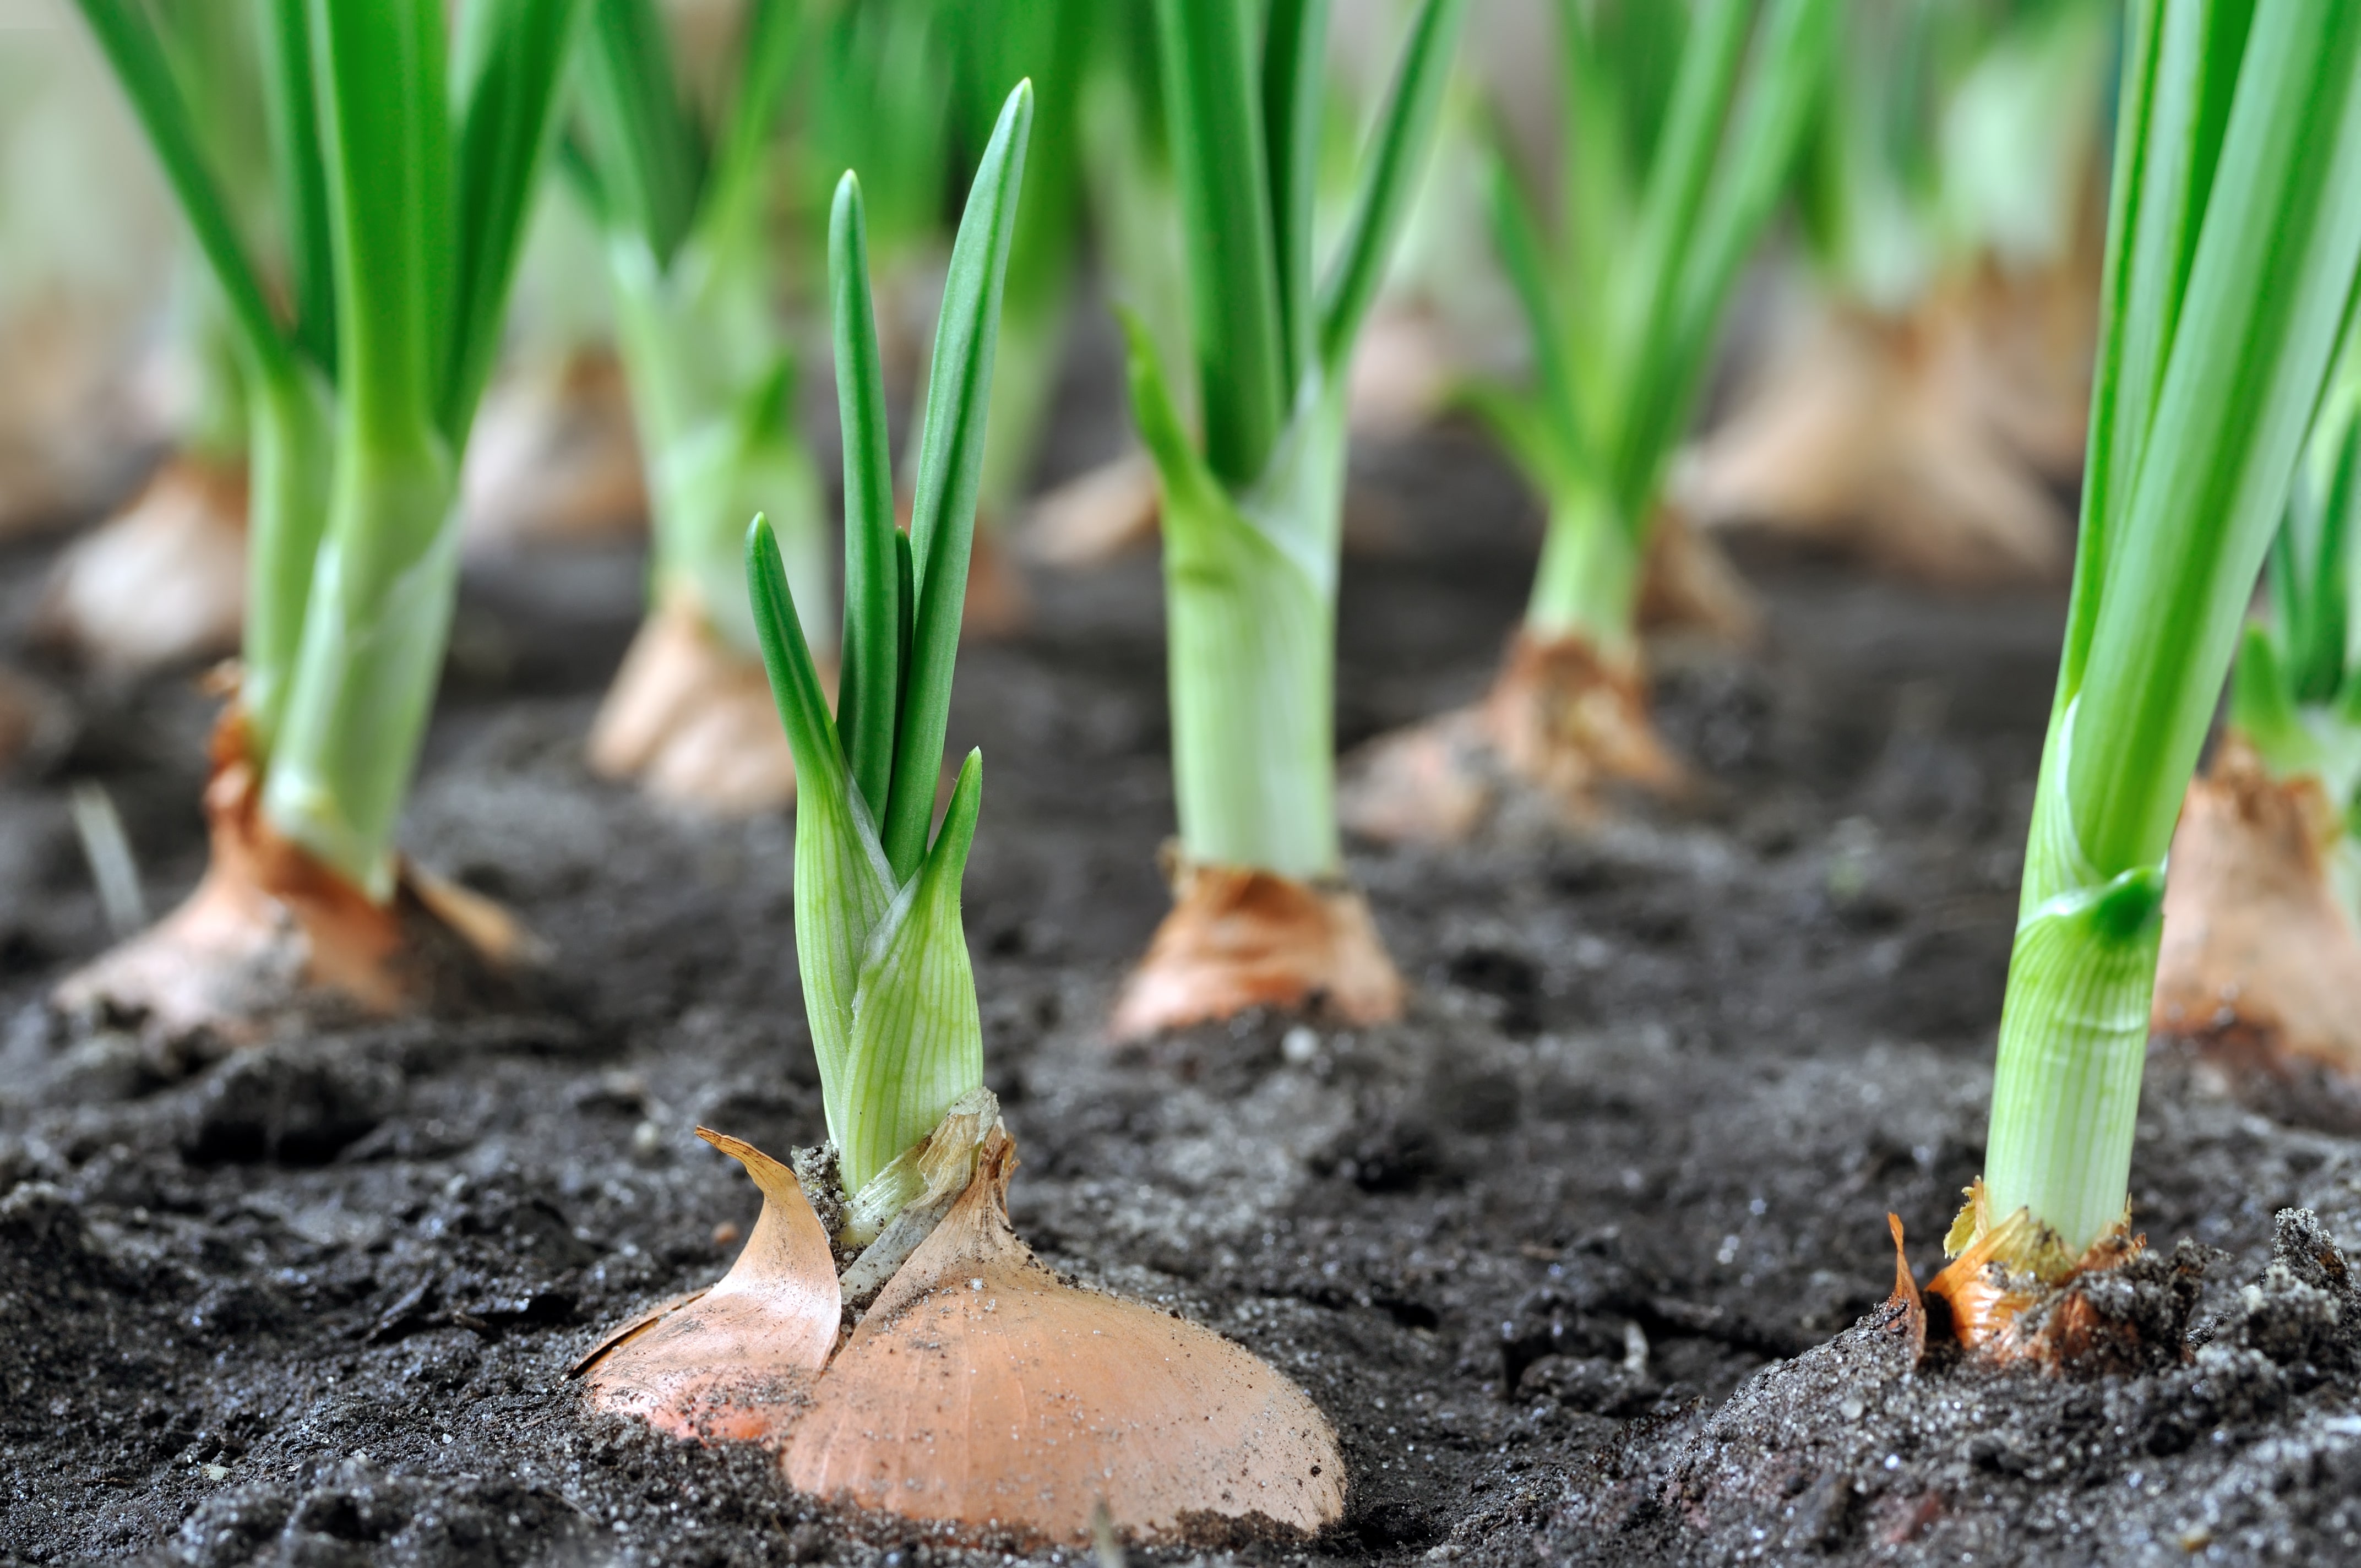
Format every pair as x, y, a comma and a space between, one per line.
736, 1360
1560, 730
2259, 955
1632, 1146
692, 720
270, 930
1239, 939
161, 583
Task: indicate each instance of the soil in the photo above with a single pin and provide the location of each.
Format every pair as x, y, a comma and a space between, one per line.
1584, 1259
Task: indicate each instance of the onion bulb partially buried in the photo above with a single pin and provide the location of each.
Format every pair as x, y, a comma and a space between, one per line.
978, 1391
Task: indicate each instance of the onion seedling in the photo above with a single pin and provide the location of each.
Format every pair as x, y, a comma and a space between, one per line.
1670, 176
2234, 240
404, 168
1253, 513
1931, 383
713, 387
1070, 1404
2261, 950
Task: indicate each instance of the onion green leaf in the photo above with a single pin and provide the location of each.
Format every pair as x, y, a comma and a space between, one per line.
888, 982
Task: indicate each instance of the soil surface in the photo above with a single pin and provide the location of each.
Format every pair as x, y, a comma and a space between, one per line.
1584, 1259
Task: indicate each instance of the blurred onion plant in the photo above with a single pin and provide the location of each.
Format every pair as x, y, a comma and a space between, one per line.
1253, 506
403, 159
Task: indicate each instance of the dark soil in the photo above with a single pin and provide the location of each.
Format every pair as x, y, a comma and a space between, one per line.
1584, 1260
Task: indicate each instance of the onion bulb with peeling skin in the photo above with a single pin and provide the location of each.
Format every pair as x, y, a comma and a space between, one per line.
980, 1390
1238, 938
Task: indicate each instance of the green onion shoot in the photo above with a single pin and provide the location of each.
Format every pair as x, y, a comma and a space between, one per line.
2234, 240
884, 961
1253, 507
1670, 177
404, 160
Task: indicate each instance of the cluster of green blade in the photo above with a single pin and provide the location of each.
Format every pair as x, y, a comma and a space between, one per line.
2295, 691
2233, 245
887, 984
1952, 133
1680, 131
711, 376
402, 164
1252, 521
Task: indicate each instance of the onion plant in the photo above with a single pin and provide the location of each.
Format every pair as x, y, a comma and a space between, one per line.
884, 961
1252, 510
2234, 240
1681, 127
905, 1235
712, 375
404, 160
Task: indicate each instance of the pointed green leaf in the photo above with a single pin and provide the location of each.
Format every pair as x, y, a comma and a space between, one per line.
505, 133
917, 1035
1388, 178
868, 684
951, 462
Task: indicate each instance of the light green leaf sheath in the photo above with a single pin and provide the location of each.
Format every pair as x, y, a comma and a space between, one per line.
2073, 1031
917, 1037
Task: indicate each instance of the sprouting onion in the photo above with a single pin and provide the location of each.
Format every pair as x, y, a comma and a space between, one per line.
1252, 517
710, 374
1670, 176
1253, 514
2234, 238
1679, 131
887, 979
402, 192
